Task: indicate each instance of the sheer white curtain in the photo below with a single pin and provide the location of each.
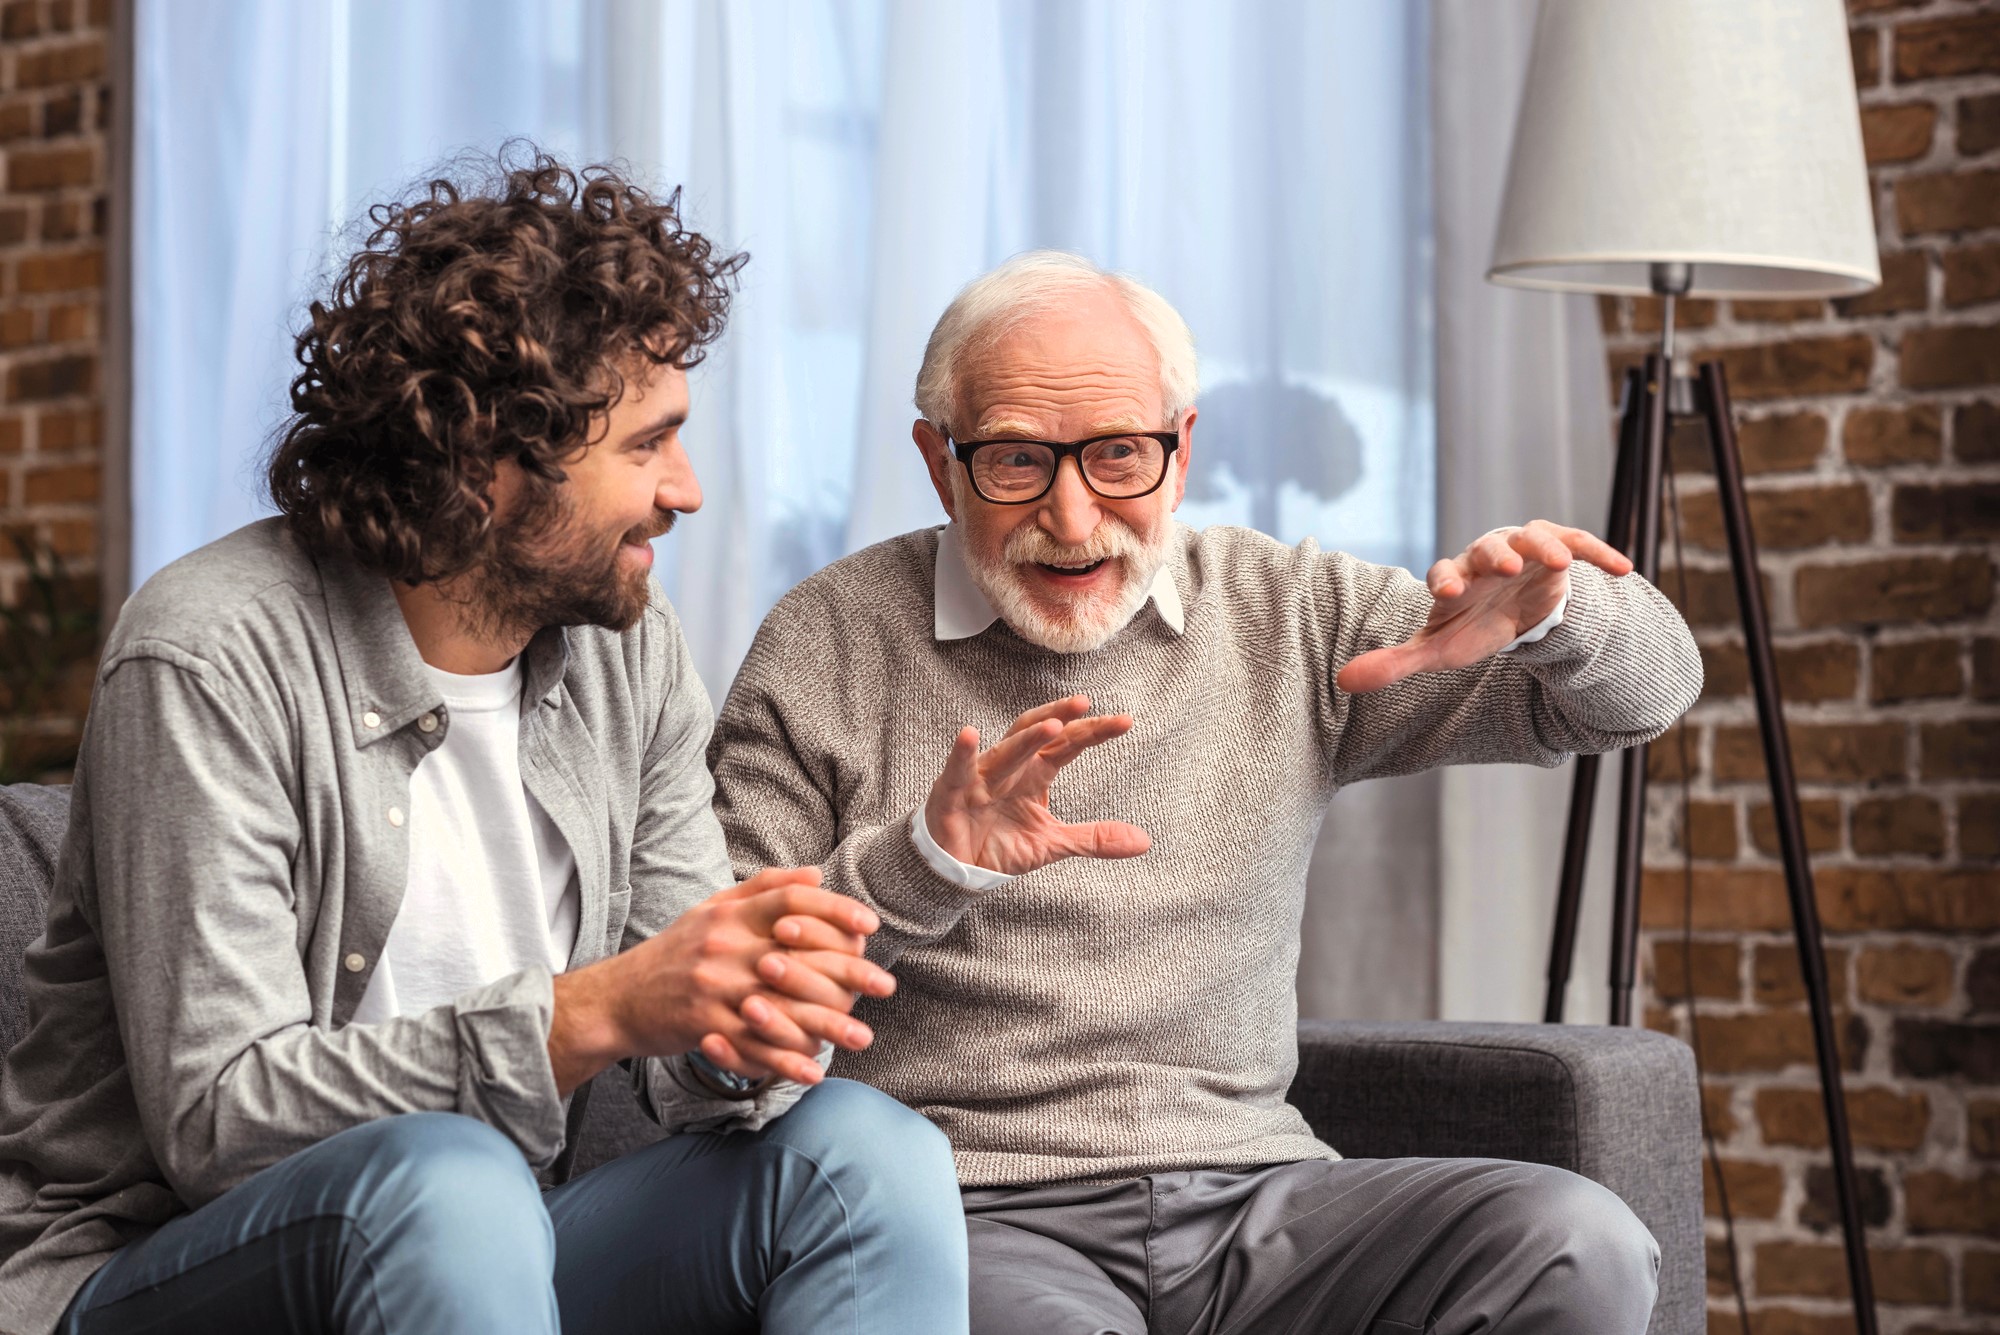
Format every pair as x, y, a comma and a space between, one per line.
1524, 432
1263, 165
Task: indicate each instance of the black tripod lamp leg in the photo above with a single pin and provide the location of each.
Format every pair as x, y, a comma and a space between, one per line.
1791, 830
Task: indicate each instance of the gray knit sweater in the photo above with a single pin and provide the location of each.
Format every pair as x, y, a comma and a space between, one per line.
1100, 1019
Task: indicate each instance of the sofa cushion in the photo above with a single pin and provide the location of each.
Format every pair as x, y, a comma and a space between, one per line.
33, 819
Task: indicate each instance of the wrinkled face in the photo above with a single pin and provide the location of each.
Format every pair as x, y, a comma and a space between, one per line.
578, 553
1069, 570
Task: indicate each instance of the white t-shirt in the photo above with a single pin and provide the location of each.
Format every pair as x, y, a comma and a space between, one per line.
493, 886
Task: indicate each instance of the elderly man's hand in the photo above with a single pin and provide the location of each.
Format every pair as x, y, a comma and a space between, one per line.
991, 810
1504, 584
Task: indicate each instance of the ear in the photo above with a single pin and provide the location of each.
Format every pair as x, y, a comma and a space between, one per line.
937, 458
1181, 457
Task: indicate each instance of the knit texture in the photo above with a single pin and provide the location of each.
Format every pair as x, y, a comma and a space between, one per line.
1096, 1020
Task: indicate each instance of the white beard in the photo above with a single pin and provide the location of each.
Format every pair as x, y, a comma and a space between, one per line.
1091, 619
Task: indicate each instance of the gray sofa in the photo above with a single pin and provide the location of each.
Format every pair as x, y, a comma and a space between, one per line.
1617, 1105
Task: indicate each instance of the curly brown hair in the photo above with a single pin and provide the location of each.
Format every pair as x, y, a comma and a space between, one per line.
473, 325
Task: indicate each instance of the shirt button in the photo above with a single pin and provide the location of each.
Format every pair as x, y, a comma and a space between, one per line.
355, 963
428, 723
372, 719
396, 817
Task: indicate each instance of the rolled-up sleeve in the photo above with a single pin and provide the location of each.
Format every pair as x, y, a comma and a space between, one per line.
194, 905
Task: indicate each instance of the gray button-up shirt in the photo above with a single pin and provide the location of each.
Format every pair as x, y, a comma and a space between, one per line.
236, 855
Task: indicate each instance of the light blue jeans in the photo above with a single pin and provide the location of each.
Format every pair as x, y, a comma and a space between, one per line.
843, 1215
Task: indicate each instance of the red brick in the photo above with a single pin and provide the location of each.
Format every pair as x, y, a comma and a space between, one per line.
1663, 757
1905, 287
1971, 275
1948, 201
1896, 589
1717, 970
1726, 899
1986, 669
1772, 1320
1834, 365
1821, 752
17, 119
1982, 1280
1756, 1190
1944, 48
1905, 976
1903, 1275
1875, 437
1978, 124
1768, 1042
1975, 432
1780, 443
1979, 825
71, 539
19, 19
31, 169
1819, 670
1982, 1128
1819, 816
1785, 310
1691, 313
63, 484
1775, 979
1866, 44
63, 429
1711, 830
1899, 132
1710, 595
13, 434
72, 62
1965, 749
1884, 826
1941, 1203
13, 226
1952, 356
1968, 512
54, 378
1915, 670
1908, 899
73, 322
17, 327
60, 272
1784, 518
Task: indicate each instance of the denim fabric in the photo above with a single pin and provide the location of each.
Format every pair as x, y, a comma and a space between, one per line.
841, 1217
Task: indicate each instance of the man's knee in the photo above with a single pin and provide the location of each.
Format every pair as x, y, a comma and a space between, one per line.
1590, 1239
445, 1187
849, 1128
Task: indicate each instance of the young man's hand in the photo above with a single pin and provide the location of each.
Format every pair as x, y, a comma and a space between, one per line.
723, 977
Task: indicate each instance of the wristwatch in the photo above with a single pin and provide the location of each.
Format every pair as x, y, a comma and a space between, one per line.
728, 1083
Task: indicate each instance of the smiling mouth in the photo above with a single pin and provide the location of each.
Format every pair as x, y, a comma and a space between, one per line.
1071, 570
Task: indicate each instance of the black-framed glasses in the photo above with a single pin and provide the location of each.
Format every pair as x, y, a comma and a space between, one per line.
1119, 467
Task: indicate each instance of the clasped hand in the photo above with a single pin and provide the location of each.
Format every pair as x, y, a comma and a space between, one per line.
1506, 583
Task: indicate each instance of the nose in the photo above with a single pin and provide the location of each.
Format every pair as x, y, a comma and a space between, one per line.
1069, 511
679, 488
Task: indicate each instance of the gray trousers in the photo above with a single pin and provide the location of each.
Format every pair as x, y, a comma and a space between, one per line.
1368, 1246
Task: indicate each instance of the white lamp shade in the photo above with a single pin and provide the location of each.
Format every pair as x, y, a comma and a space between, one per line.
1719, 133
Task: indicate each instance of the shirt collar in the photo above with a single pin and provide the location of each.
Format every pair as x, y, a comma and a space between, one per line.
384, 674
962, 611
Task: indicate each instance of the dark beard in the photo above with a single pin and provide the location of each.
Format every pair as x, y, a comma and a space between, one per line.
542, 572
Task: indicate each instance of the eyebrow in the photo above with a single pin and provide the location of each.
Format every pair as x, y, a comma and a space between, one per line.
647, 432
1008, 428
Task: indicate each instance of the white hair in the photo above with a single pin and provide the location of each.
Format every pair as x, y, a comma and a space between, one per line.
1033, 282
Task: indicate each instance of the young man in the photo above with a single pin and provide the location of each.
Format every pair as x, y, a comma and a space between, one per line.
1096, 977
391, 829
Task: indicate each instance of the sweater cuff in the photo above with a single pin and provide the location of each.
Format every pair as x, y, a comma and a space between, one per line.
1586, 620
883, 868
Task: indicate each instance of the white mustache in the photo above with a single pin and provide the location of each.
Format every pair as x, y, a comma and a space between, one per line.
1112, 539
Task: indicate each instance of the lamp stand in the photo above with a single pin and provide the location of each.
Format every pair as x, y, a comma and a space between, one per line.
1634, 529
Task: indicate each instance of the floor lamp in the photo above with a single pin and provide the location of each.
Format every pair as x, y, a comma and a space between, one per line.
1700, 148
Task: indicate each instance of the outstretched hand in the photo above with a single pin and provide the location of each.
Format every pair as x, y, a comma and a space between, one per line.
991, 810
1504, 584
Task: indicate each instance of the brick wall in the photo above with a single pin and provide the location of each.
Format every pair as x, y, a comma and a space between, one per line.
54, 111
1871, 437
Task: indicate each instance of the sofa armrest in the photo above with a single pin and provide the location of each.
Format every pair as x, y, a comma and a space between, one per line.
1619, 1106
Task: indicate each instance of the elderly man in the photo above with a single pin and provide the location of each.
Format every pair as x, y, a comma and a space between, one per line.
1095, 996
